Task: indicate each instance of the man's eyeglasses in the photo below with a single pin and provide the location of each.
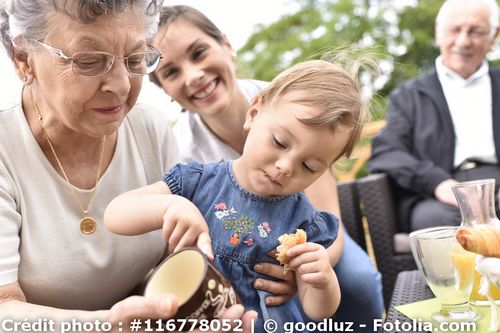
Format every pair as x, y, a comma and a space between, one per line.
97, 63
474, 32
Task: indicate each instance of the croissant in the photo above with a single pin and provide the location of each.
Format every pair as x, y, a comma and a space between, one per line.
287, 241
484, 240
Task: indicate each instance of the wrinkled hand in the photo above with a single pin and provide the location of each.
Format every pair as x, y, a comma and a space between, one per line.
444, 193
139, 307
282, 290
311, 263
184, 225
165, 307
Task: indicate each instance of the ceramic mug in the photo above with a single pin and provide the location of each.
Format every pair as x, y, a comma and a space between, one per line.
201, 290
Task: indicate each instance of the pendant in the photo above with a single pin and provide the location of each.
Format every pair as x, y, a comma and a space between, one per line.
88, 225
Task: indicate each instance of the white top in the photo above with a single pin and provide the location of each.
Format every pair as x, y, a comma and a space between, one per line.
153, 95
470, 104
197, 142
41, 243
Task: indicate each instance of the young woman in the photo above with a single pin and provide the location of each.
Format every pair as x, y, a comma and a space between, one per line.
198, 71
259, 196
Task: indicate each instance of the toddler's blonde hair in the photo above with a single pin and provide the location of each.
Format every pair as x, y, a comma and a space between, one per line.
328, 87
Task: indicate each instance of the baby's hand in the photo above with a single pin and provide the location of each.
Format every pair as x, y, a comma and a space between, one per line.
183, 225
311, 263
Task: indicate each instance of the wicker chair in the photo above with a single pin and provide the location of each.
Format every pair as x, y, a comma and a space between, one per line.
350, 211
377, 202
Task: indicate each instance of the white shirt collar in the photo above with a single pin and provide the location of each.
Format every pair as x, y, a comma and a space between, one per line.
470, 105
445, 72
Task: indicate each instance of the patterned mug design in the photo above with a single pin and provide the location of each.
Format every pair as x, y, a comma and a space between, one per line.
202, 291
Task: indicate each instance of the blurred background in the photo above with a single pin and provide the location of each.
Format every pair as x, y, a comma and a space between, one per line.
271, 35
399, 34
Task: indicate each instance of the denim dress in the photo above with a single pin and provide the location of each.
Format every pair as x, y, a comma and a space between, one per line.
244, 227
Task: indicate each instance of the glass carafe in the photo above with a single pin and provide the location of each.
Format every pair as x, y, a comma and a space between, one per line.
476, 200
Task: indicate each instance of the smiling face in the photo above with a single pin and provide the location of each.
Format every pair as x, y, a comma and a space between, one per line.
197, 71
464, 37
93, 106
283, 156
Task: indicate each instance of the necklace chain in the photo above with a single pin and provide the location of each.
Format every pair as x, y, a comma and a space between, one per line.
73, 192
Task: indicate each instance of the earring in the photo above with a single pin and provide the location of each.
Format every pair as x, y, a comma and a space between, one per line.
25, 78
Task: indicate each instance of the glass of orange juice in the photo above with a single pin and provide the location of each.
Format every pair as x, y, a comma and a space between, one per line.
448, 270
476, 200
476, 298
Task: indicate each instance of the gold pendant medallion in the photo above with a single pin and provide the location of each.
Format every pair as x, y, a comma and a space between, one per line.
88, 225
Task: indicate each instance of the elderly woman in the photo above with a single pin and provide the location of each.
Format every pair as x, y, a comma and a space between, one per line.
74, 142
198, 71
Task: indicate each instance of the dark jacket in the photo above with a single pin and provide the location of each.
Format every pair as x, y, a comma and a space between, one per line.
417, 146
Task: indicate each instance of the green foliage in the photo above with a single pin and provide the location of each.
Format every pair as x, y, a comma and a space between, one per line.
401, 39
416, 37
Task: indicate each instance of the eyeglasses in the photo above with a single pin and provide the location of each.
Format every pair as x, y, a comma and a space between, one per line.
97, 63
474, 32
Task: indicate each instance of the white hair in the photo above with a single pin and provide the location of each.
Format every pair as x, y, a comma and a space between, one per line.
491, 5
30, 19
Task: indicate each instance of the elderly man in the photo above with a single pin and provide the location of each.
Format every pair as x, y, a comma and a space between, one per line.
444, 127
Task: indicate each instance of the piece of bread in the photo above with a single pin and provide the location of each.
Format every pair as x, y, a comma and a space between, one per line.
482, 240
287, 241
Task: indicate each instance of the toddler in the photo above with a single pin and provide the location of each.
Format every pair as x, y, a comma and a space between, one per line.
309, 116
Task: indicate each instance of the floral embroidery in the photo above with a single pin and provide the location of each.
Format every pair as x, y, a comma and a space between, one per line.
264, 229
221, 205
241, 226
222, 210
220, 214
234, 240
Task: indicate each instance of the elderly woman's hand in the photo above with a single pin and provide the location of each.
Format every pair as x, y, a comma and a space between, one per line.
123, 313
282, 290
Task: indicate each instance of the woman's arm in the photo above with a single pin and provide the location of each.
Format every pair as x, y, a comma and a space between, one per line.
13, 307
324, 196
154, 207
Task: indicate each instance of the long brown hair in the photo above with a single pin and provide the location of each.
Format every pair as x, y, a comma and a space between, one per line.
169, 14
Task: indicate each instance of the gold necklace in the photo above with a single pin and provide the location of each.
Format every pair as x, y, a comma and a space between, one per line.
87, 224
